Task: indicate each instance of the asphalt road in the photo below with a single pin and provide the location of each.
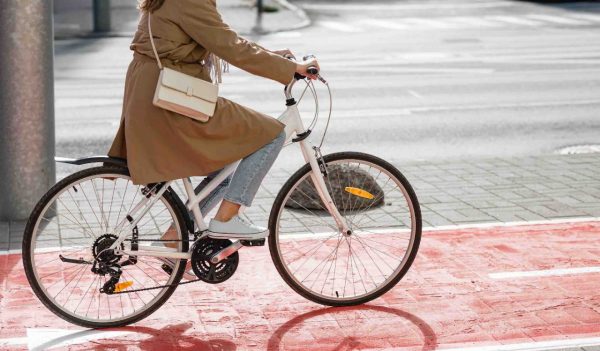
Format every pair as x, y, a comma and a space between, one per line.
411, 80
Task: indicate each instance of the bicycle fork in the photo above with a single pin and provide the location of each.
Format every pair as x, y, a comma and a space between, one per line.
312, 155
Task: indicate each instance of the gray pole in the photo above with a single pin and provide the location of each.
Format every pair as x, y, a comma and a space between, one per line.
102, 16
259, 14
26, 105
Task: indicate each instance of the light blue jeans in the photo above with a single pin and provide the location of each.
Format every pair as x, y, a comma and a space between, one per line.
242, 186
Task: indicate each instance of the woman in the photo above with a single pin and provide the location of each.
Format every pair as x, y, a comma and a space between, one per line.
160, 145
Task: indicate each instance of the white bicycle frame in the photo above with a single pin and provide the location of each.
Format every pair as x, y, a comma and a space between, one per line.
293, 126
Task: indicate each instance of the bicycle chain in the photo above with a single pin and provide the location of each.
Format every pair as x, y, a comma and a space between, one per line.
155, 287
159, 286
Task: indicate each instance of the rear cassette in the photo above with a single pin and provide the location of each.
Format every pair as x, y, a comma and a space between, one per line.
203, 251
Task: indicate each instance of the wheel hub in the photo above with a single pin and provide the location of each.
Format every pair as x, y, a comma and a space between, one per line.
101, 251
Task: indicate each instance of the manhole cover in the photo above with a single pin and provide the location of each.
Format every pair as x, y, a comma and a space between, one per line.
579, 149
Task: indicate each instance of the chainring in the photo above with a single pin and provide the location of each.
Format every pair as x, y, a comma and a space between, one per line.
203, 251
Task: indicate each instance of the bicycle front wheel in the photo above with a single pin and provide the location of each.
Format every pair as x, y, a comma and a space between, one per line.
69, 233
333, 268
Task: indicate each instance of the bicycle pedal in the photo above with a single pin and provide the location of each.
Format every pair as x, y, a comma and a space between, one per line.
256, 242
165, 267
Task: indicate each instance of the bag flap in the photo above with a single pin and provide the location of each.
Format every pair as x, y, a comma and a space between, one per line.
189, 85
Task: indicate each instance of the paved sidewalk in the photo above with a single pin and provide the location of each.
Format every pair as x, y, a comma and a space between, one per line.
451, 298
463, 192
239, 14
488, 190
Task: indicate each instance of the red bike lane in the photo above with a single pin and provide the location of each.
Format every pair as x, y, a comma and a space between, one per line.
479, 288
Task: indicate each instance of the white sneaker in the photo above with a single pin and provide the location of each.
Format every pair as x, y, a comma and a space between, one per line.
236, 228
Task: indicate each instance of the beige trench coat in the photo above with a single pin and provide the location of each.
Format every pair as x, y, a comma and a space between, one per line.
161, 145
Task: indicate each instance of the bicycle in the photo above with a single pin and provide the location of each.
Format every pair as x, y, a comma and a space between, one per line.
344, 229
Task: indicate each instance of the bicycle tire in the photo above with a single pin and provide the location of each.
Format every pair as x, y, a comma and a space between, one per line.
284, 194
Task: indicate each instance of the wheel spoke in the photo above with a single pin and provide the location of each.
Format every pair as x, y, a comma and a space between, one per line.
86, 207
358, 266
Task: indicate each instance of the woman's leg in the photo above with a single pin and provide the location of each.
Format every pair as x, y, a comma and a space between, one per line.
247, 178
238, 189
207, 204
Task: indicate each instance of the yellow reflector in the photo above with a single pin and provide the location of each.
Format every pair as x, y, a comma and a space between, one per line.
122, 286
359, 192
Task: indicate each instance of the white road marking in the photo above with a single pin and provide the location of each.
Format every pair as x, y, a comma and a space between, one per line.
47, 338
447, 228
473, 21
415, 94
430, 23
545, 272
384, 24
400, 6
290, 34
407, 23
514, 20
339, 26
557, 19
530, 346
86, 102
415, 70
486, 225
585, 16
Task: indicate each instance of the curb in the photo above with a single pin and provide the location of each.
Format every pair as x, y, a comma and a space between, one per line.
305, 21
298, 11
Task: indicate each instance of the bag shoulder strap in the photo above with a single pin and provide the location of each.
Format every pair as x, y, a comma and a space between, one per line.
160, 66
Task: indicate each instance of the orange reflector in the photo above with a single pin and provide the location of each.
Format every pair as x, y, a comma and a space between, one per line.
122, 286
359, 192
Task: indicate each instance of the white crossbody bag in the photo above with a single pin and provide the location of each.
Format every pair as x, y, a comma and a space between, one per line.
181, 93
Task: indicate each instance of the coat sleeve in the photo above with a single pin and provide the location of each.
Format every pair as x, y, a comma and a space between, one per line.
201, 20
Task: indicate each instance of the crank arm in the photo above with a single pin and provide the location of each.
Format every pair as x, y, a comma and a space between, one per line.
226, 252
71, 260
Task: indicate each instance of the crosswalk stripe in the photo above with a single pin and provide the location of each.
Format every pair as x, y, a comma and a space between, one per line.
429, 22
400, 6
404, 23
585, 16
556, 19
514, 20
384, 24
340, 26
472, 21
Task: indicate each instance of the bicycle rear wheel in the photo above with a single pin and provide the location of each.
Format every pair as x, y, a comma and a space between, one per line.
333, 268
69, 232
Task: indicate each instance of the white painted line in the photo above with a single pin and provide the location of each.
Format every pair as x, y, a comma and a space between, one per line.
399, 6
47, 338
472, 21
531, 346
78, 102
389, 70
384, 24
556, 19
415, 94
342, 27
486, 225
291, 34
426, 22
43, 339
514, 20
585, 16
545, 272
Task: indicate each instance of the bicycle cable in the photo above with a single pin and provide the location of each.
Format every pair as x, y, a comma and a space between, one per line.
310, 86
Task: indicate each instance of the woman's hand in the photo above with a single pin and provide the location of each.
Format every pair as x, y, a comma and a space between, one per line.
287, 53
302, 67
